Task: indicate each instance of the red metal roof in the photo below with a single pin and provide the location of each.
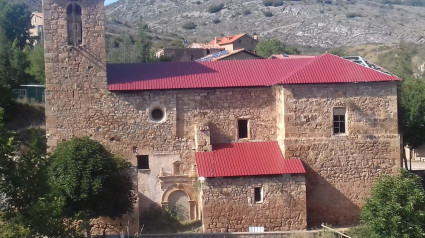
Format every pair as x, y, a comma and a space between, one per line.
246, 159
326, 68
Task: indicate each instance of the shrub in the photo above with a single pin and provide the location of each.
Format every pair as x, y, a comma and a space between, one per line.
189, 26
267, 3
277, 3
268, 13
274, 3
353, 15
198, 2
246, 12
215, 8
274, 46
396, 207
216, 21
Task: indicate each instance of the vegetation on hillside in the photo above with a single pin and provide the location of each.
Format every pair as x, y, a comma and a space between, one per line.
215, 8
129, 48
274, 46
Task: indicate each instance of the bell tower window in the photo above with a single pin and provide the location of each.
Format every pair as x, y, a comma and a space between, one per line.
74, 24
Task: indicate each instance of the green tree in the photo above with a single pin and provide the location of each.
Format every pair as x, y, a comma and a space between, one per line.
15, 20
143, 45
396, 208
412, 111
411, 94
274, 46
36, 64
91, 181
11, 229
13, 64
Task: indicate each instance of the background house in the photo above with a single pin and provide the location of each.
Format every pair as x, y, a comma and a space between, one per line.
31, 92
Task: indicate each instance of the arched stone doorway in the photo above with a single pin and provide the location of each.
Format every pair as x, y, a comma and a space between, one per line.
178, 202
182, 198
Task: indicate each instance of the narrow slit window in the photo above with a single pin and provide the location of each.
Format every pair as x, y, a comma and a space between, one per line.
339, 120
143, 162
242, 129
74, 23
258, 195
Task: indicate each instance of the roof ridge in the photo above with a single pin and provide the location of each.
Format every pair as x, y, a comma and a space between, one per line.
299, 69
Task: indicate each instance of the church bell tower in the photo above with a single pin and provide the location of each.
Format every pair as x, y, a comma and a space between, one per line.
77, 99
75, 57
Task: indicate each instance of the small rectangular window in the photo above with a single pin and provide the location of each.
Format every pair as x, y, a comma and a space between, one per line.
339, 120
143, 162
258, 195
242, 129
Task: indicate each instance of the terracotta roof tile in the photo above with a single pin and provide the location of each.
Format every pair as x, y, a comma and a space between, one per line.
226, 40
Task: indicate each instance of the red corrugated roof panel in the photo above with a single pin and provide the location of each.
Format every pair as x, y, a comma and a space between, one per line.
239, 73
246, 159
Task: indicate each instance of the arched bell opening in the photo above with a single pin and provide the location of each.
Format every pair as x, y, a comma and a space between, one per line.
74, 24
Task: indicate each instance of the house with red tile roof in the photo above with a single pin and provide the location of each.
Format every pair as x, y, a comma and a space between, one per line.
260, 144
235, 42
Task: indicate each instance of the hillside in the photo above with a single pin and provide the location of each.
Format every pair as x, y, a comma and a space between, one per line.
300, 23
34, 5
310, 24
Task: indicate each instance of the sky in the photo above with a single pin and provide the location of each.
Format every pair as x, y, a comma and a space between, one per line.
107, 2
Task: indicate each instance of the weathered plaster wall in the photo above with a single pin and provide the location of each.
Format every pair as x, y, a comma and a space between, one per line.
228, 203
341, 168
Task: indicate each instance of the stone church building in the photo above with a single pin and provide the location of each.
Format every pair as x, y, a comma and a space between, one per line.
281, 144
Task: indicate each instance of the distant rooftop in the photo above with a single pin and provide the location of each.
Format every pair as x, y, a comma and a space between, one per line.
226, 40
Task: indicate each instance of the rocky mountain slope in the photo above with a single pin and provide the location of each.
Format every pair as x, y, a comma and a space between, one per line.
327, 24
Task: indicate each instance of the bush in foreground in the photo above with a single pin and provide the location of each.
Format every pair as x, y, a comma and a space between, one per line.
396, 208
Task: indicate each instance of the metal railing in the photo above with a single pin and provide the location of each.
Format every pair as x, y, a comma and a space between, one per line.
335, 231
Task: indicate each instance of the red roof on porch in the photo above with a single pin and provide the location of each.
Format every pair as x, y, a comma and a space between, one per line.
246, 159
326, 68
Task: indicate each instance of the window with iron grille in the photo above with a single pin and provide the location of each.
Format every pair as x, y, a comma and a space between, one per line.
339, 120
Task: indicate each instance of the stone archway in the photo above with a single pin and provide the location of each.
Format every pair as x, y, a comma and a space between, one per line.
178, 201
182, 198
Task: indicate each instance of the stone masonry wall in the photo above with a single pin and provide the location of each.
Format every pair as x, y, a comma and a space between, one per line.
341, 168
78, 103
229, 203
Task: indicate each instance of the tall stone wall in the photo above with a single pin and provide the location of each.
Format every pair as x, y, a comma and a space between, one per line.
76, 82
229, 203
341, 168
